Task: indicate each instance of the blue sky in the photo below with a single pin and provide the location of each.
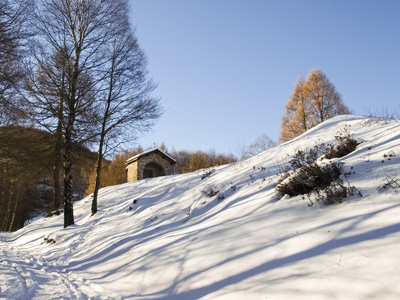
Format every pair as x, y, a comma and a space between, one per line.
226, 68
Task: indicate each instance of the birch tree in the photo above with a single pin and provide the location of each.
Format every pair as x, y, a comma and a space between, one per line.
125, 102
80, 30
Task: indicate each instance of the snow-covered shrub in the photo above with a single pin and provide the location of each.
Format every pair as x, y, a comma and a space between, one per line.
333, 193
304, 159
391, 181
317, 180
54, 213
345, 145
207, 173
49, 240
309, 178
211, 191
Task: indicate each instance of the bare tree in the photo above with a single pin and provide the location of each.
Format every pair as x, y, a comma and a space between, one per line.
261, 144
48, 84
125, 103
183, 159
81, 30
13, 35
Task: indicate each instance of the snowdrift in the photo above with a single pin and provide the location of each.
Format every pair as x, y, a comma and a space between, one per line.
225, 233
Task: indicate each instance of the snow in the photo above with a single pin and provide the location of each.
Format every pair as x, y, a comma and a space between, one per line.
227, 236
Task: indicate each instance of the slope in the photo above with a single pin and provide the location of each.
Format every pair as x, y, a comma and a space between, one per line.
225, 233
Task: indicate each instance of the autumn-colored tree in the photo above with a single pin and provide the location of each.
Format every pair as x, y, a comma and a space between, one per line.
182, 159
201, 160
325, 100
198, 160
312, 102
296, 119
113, 171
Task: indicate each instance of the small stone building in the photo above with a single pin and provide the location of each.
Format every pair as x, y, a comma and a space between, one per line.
149, 164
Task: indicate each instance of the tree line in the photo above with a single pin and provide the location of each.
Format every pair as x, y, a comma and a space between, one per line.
26, 174
187, 161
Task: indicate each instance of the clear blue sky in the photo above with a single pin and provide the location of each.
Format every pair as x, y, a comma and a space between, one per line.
226, 68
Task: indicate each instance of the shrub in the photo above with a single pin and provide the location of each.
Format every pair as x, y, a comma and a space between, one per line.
211, 191
305, 176
207, 173
334, 193
50, 240
305, 158
308, 178
345, 145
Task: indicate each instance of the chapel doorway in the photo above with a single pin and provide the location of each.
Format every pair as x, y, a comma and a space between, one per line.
152, 170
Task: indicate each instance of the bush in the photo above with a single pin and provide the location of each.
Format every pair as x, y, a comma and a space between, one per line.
207, 173
334, 193
211, 191
346, 144
321, 181
308, 178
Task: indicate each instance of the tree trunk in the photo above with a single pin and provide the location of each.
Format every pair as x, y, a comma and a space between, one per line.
98, 177
4, 227
57, 169
68, 188
99, 162
71, 100
15, 208
101, 144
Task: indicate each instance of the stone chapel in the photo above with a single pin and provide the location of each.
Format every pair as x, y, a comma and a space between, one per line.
149, 164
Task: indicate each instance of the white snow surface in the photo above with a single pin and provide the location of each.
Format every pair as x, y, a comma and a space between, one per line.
173, 238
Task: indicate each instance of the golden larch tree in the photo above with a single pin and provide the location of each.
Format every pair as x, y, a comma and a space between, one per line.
325, 100
312, 101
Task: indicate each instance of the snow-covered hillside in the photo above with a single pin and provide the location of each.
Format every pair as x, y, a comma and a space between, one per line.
225, 233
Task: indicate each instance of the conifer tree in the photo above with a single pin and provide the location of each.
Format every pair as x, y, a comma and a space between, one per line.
313, 101
296, 119
325, 100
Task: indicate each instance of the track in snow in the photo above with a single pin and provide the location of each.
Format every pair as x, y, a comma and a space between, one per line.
24, 276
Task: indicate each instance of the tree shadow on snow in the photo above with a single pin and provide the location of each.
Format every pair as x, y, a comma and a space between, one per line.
336, 243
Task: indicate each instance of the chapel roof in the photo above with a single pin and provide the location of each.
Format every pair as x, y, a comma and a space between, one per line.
148, 152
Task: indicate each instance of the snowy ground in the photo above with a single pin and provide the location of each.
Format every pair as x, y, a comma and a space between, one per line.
227, 236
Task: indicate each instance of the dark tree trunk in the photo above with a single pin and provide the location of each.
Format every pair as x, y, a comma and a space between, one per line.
68, 188
57, 169
99, 163
98, 177
101, 144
